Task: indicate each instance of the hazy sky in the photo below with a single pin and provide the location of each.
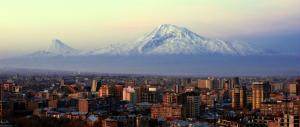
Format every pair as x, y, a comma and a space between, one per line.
29, 25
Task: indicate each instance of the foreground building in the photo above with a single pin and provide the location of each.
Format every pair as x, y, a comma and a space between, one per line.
260, 92
191, 104
238, 95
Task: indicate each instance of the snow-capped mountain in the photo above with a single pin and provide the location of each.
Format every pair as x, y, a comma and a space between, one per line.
57, 48
164, 40
167, 49
171, 39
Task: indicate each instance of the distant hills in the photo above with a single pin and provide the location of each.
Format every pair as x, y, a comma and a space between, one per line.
168, 49
165, 39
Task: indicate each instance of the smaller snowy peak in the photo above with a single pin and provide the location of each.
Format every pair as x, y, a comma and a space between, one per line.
57, 44
57, 48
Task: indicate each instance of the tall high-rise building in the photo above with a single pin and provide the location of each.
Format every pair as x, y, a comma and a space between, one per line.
99, 84
298, 87
62, 82
238, 94
235, 81
291, 89
227, 84
94, 86
267, 90
3, 122
191, 104
1, 102
130, 94
216, 84
138, 91
260, 92
118, 91
257, 94
83, 105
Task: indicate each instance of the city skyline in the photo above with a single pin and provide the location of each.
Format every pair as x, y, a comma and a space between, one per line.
150, 63
95, 100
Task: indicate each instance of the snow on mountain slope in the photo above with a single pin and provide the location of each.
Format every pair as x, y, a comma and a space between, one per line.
57, 48
164, 40
113, 49
171, 39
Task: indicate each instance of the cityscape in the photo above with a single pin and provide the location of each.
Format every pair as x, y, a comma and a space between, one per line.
150, 63
91, 100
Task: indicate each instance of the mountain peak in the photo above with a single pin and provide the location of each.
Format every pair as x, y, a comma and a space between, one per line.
171, 39
57, 41
169, 29
168, 26
57, 44
167, 35
57, 48
165, 39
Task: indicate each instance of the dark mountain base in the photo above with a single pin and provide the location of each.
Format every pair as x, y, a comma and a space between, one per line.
216, 65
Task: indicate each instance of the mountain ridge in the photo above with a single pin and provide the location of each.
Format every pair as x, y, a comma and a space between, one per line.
57, 48
165, 39
166, 49
171, 39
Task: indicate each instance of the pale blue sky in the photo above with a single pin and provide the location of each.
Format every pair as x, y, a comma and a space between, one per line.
29, 25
